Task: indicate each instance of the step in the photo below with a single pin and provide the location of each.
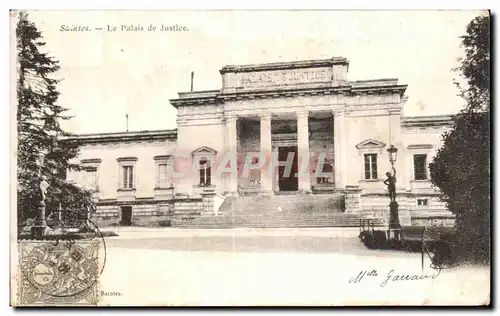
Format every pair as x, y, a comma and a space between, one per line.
262, 211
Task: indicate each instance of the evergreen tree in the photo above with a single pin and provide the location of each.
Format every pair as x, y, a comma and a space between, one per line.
38, 129
461, 168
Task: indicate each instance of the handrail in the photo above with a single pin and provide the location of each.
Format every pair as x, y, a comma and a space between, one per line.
366, 224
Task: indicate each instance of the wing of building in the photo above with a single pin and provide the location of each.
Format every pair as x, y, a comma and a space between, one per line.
280, 144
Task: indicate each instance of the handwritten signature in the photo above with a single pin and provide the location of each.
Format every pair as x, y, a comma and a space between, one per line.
392, 276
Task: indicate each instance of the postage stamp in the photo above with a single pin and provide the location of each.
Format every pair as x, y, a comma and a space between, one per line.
59, 272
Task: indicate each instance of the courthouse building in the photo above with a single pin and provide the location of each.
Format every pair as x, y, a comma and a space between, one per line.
283, 111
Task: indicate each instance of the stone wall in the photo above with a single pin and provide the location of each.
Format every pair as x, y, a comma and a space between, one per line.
158, 214
188, 207
434, 213
352, 199
108, 215
148, 215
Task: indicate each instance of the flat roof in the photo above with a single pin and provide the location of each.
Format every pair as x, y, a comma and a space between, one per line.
286, 65
166, 134
431, 120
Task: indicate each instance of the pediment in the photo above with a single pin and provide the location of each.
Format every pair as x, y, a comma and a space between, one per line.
420, 146
162, 157
370, 143
204, 151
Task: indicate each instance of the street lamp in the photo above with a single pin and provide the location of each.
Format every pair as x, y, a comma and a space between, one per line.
394, 225
40, 228
393, 154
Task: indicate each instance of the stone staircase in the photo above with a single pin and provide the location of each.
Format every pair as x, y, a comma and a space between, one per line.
275, 211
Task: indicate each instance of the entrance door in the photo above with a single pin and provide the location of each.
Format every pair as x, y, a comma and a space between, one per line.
126, 216
288, 182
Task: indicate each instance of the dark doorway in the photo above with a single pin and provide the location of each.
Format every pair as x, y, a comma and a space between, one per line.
288, 182
126, 216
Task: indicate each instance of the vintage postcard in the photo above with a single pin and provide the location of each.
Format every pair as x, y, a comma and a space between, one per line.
250, 158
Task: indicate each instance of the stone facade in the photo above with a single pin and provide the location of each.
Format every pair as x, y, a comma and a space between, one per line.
308, 108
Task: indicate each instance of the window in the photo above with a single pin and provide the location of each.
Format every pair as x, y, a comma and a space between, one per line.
128, 177
422, 202
203, 156
126, 172
162, 176
420, 167
91, 177
164, 164
371, 166
205, 172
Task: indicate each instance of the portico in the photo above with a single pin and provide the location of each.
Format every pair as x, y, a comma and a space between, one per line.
275, 153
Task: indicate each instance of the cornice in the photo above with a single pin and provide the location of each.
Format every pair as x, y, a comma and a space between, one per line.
122, 159
396, 88
420, 146
288, 92
102, 138
193, 101
285, 65
91, 161
162, 157
427, 121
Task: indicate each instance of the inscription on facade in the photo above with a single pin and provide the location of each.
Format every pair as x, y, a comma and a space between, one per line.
283, 77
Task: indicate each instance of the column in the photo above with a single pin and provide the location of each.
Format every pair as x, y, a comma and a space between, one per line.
304, 175
339, 149
266, 180
232, 148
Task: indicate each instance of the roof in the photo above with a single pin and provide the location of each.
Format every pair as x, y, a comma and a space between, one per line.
167, 134
285, 65
424, 121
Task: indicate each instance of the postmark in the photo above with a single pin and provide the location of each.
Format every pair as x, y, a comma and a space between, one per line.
63, 271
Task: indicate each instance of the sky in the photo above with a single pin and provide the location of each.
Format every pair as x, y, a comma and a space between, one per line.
107, 75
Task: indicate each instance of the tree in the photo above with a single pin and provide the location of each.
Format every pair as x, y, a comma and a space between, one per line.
38, 128
474, 68
461, 168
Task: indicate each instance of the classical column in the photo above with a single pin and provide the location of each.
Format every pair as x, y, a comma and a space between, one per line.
232, 148
266, 180
304, 175
339, 149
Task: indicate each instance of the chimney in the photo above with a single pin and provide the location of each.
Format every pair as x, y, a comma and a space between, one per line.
192, 80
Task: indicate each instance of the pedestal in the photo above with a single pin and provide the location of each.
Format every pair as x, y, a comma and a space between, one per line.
394, 216
394, 225
40, 228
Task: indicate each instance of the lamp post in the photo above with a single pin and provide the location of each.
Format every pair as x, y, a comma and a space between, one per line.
394, 225
40, 228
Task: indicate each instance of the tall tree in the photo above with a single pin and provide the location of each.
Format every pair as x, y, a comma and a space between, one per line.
38, 128
474, 68
461, 168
